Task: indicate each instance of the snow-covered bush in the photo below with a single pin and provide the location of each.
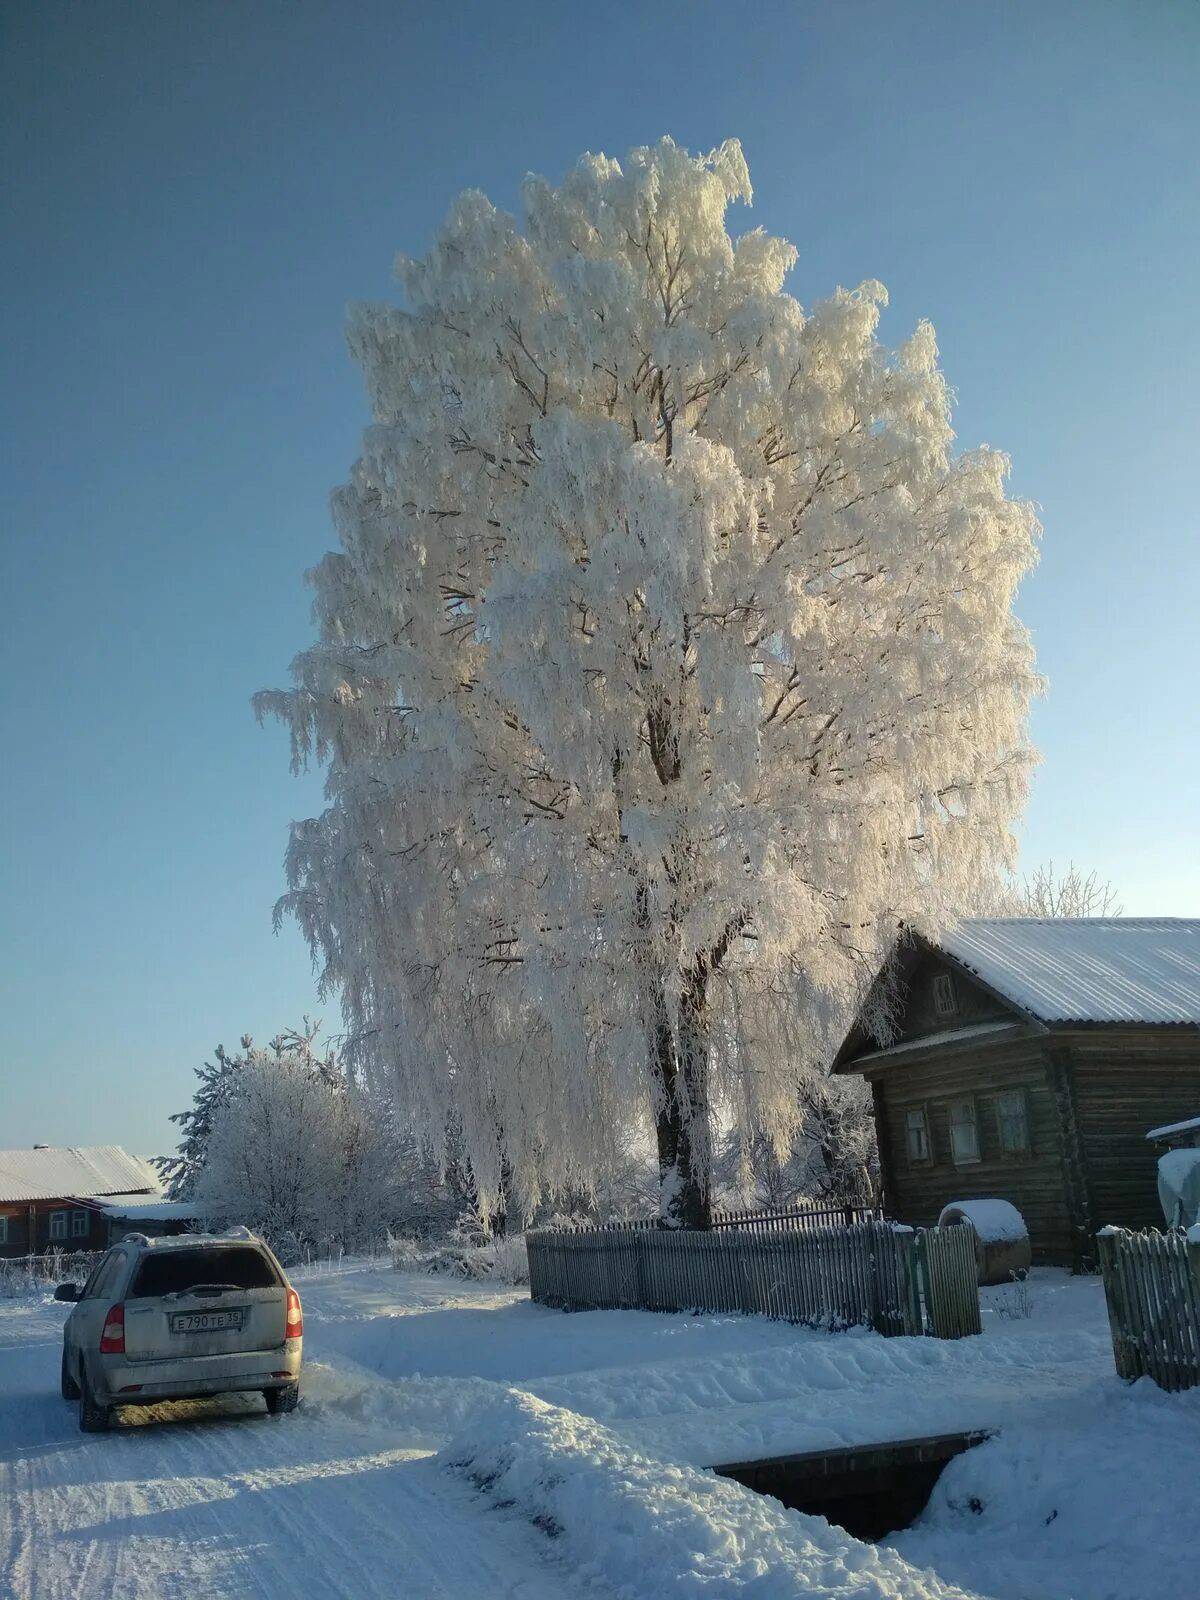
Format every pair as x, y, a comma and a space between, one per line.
294, 1152
666, 666
502, 1258
278, 1138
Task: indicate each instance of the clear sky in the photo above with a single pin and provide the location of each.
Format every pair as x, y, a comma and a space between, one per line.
194, 192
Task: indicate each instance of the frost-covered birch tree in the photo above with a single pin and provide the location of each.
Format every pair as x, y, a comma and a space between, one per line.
667, 662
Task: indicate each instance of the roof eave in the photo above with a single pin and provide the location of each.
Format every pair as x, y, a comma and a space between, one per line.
918, 1049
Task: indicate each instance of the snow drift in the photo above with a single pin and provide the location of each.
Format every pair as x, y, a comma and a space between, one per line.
653, 1528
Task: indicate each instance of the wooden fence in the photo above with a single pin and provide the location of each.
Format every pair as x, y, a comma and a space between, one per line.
867, 1274
1152, 1288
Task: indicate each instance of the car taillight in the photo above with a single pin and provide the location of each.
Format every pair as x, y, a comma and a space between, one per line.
295, 1319
112, 1340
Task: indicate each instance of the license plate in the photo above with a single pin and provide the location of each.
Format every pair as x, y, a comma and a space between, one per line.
206, 1321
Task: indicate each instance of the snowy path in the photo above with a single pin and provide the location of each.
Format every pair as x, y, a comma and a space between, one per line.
206, 1505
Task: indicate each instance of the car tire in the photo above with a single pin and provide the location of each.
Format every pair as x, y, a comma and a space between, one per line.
280, 1401
93, 1417
70, 1389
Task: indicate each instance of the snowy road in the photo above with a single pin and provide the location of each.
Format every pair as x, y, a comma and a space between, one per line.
218, 1500
570, 1455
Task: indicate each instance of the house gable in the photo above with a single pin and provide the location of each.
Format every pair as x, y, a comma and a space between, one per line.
935, 996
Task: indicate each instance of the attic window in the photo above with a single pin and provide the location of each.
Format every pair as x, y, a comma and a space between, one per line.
945, 1001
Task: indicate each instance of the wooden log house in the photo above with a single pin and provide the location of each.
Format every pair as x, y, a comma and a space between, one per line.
1028, 1059
52, 1198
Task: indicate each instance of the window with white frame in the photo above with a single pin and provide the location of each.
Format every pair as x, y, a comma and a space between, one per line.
916, 1134
945, 1001
1012, 1114
80, 1221
58, 1224
964, 1132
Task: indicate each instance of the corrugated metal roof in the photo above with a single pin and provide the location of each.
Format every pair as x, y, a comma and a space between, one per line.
1087, 969
53, 1173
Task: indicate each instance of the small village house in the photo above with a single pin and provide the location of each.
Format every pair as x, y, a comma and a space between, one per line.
1029, 1059
53, 1198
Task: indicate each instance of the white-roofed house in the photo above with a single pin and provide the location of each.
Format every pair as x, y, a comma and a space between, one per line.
1029, 1057
52, 1197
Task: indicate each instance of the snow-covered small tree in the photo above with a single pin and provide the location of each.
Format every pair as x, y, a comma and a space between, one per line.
293, 1152
180, 1171
666, 665
1072, 893
215, 1083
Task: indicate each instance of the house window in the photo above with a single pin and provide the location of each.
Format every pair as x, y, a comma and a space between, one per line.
916, 1134
945, 1001
1012, 1113
79, 1224
964, 1132
58, 1224
3, 1230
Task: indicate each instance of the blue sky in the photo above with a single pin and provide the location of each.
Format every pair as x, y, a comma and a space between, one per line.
194, 193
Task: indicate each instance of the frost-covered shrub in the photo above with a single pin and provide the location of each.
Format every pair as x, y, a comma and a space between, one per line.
503, 1259
1014, 1301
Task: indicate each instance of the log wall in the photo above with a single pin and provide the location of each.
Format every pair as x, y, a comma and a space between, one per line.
915, 1192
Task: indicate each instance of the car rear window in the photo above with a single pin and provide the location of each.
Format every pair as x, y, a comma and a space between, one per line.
174, 1271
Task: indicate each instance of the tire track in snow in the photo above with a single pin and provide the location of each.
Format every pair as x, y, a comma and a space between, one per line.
215, 1501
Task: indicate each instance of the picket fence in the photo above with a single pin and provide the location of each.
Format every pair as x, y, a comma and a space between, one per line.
1152, 1289
869, 1273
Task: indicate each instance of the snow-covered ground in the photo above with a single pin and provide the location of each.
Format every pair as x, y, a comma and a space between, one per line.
456, 1440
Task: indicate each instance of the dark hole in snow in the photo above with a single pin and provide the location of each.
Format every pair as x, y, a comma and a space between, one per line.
870, 1490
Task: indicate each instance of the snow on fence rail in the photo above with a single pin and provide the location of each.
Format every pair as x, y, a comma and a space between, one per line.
868, 1274
1152, 1289
770, 1219
28, 1274
781, 1219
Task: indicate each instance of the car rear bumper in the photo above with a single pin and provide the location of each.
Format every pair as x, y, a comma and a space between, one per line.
134, 1383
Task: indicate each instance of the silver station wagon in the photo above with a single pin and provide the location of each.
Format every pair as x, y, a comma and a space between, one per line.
181, 1318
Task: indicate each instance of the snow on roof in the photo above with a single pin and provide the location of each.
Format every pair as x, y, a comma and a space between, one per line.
151, 1210
1169, 1129
48, 1172
977, 1030
1087, 969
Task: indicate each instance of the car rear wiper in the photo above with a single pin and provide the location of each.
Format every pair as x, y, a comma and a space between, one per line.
207, 1288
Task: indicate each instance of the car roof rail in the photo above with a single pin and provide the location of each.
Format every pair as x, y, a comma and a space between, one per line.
239, 1232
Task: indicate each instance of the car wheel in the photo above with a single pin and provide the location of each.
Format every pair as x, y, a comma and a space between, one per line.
282, 1400
93, 1417
70, 1389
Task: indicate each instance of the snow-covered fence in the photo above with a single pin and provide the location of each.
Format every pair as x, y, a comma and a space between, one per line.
769, 1219
786, 1219
1152, 1287
869, 1274
20, 1275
